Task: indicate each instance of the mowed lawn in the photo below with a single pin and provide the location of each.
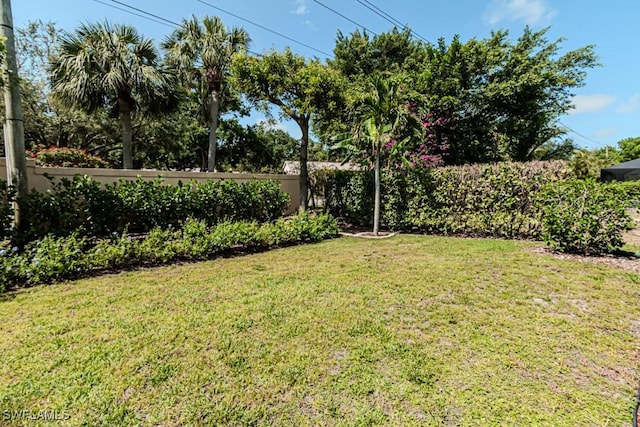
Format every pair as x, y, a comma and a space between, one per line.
410, 330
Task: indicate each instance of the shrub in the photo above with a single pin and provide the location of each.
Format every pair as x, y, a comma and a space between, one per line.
67, 157
489, 200
628, 190
117, 252
81, 205
51, 260
583, 217
59, 258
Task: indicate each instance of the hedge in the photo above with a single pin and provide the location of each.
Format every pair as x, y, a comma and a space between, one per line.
83, 206
534, 200
484, 200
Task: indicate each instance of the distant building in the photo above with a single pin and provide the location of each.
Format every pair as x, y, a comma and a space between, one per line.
292, 167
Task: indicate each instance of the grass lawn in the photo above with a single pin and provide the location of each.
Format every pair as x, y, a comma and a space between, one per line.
410, 330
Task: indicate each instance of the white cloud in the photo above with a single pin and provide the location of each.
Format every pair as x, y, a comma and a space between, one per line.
300, 7
591, 103
630, 105
532, 12
605, 133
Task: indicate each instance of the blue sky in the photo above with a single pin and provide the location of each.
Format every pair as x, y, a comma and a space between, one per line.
607, 108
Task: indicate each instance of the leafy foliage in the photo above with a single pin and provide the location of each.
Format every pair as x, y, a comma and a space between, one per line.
587, 164
7, 196
500, 99
629, 149
585, 217
110, 65
67, 157
297, 86
487, 200
83, 206
201, 53
54, 259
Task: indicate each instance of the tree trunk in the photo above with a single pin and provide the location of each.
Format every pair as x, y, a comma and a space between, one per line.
14, 119
376, 202
214, 107
303, 122
127, 134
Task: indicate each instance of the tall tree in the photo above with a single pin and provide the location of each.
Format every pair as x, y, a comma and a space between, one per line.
109, 64
359, 55
297, 86
498, 98
201, 52
503, 98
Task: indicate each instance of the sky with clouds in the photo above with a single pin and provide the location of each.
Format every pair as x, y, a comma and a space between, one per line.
607, 108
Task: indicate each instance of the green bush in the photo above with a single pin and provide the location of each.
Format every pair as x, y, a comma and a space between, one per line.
43, 261
584, 217
67, 157
628, 190
487, 200
81, 205
54, 259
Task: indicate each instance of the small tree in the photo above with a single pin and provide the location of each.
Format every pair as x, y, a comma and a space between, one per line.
383, 112
298, 87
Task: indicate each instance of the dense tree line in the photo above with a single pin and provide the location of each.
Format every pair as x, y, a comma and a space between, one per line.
177, 104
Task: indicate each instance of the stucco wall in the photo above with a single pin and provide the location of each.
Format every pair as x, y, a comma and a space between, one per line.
38, 181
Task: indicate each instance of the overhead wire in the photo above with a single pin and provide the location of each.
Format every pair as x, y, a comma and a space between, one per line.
150, 16
145, 12
593, 141
378, 11
345, 17
266, 28
157, 21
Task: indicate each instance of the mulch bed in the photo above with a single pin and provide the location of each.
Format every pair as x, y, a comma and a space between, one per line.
622, 260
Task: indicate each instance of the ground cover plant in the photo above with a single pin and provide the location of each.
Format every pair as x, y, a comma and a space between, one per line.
412, 330
54, 259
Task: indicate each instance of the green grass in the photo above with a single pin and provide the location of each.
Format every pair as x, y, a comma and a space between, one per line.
405, 331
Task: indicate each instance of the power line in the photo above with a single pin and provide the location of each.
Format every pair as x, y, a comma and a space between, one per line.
581, 135
380, 13
150, 16
345, 17
146, 13
157, 21
375, 9
265, 28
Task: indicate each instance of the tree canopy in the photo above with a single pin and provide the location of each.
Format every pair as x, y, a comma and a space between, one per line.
297, 86
201, 53
501, 99
109, 64
480, 100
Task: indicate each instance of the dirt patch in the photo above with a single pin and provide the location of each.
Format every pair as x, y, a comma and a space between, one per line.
630, 263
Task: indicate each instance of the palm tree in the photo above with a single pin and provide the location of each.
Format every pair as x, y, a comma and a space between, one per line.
382, 113
103, 64
201, 53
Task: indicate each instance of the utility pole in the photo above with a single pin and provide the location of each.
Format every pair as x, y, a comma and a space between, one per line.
14, 122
